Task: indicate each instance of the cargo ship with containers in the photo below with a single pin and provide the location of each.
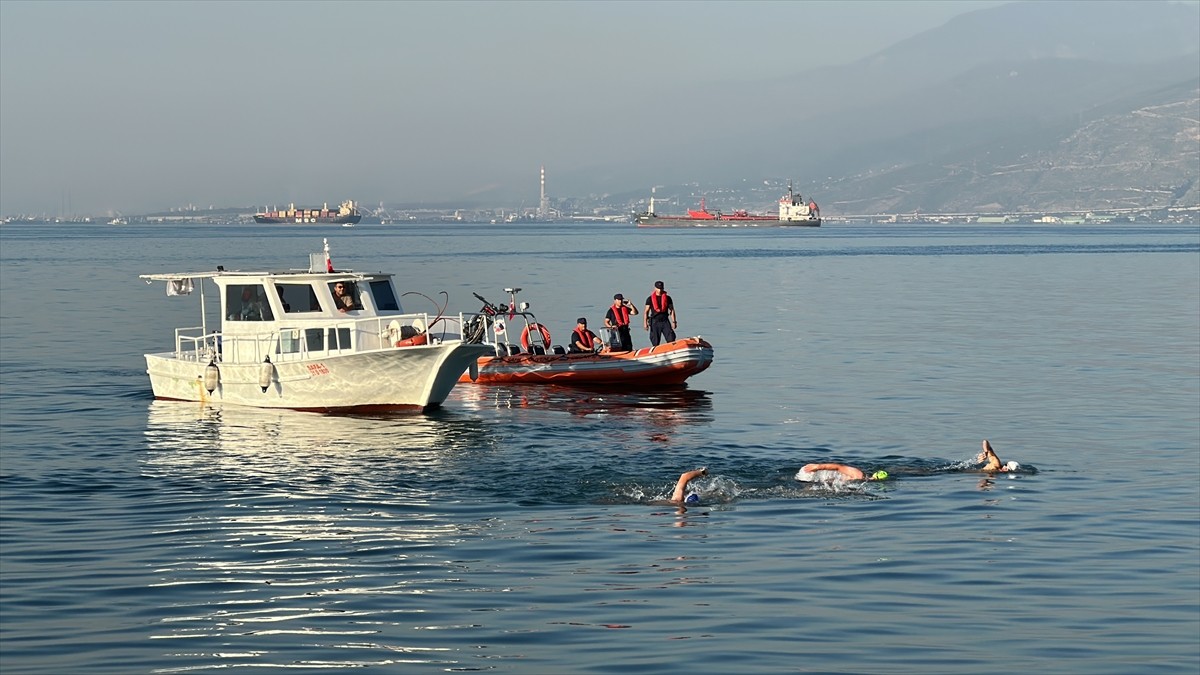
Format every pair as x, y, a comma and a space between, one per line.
792, 211
346, 214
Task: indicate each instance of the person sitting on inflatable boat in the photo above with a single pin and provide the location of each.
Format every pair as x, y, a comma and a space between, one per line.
584, 341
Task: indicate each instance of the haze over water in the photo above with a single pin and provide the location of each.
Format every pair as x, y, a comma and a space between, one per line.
516, 530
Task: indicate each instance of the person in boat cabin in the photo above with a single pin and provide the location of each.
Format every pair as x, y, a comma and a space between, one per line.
660, 317
252, 306
343, 295
617, 319
282, 300
584, 341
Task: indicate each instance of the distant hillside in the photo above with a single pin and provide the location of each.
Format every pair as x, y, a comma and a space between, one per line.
1136, 150
1028, 106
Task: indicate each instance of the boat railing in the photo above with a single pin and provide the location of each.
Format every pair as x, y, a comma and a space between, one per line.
302, 341
510, 330
522, 328
193, 344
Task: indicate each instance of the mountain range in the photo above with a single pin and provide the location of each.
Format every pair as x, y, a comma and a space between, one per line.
1029, 106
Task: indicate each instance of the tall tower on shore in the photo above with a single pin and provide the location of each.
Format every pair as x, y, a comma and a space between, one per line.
543, 204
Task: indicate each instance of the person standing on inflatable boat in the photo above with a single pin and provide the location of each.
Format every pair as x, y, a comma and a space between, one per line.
660, 317
617, 319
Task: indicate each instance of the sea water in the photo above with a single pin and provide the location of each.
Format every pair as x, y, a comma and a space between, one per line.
523, 529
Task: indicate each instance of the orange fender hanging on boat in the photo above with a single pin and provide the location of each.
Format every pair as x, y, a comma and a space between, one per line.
539, 328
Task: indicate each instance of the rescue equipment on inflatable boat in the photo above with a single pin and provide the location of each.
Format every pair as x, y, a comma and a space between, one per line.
535, 328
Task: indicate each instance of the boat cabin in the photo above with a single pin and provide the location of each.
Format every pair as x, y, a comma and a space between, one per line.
295, 314
300, 313
271, 295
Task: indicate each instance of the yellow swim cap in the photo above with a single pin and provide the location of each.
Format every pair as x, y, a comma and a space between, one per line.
879, 475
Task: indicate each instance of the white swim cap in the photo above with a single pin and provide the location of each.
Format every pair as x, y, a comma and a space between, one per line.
1012, 466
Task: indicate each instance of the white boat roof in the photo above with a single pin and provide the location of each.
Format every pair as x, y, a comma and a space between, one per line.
319, 269
264, 274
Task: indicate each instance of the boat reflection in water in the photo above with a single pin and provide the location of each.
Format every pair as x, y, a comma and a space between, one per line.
238, 443
581, 400
271, 522
662, 408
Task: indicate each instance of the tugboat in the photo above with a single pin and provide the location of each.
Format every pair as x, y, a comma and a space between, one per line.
347, 213
792, 211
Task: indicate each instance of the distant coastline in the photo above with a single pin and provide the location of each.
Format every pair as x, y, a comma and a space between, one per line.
477, 215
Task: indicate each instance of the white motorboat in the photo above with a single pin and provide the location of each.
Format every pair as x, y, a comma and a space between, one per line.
284, 342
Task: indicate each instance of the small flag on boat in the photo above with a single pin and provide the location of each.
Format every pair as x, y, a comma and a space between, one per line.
179, 287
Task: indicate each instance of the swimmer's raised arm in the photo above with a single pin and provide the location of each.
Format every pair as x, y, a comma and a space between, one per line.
988, 456
685, 478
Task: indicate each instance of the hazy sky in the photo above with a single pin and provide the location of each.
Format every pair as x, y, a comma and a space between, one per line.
137, 106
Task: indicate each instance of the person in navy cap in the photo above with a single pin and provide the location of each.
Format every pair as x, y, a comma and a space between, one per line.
617, 319
660, 317
584, 341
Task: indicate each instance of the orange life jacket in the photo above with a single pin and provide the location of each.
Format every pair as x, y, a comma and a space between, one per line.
620, 315
584, 338
659, 302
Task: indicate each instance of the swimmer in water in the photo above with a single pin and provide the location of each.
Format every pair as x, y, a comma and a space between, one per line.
810, 473
686, 477
992, 463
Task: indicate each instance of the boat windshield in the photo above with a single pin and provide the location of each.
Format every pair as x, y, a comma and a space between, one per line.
298, 298
385, 297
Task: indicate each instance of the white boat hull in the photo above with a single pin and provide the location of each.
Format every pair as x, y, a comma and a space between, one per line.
409, 377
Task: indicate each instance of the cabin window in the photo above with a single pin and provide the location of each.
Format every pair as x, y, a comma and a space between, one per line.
385, 297
314, 339
345, 295
339, 338
289, 341
247, 302
298, 298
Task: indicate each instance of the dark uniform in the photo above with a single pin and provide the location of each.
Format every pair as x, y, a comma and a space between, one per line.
583, 341
660, 309
619, 317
